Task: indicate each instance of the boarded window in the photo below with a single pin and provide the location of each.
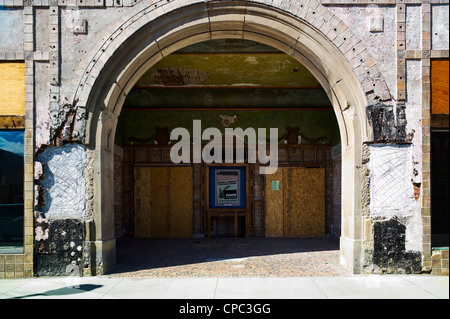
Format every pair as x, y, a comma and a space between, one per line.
12, 87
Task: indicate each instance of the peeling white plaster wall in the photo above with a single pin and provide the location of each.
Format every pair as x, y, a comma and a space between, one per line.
440, 27
64, 184
11, 30
381, 45
42, 23
414, 113
414, 229
413, 29
42, 100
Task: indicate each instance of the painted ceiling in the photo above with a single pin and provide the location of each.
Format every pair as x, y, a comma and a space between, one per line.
270, 70
227, 74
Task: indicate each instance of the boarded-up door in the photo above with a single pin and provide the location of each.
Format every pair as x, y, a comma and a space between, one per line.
295, 202
163, 202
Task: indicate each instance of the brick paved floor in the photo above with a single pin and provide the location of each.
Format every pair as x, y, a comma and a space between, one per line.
228, 257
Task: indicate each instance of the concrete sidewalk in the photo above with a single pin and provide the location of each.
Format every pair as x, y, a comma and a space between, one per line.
346, 287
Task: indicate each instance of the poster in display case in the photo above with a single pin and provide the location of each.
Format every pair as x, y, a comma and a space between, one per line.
227, 187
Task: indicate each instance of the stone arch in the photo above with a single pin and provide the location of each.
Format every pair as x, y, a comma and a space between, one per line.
311, 14
308, 32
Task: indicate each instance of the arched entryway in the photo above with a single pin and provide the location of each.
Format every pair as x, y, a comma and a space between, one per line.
145, 39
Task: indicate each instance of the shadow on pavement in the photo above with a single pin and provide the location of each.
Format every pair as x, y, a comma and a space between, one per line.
64, 291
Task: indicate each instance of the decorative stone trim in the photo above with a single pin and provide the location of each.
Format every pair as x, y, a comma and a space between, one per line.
401, 52
426, 137
54, 64
12, 56
29, 150
439, 54
11, 3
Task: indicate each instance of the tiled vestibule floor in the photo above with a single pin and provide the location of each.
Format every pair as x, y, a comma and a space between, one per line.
228, 257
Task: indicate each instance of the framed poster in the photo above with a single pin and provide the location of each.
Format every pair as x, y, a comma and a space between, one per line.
227, 187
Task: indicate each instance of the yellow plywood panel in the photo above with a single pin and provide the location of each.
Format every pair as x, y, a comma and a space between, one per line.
161, 201
12, 88
143, 202
297, 209
304, 202
274, 204
172, 213
181, 221
439, 86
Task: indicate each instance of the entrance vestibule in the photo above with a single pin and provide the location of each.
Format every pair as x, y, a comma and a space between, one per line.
190, 199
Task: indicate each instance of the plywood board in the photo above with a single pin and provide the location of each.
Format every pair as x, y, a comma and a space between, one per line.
12, 88
304, 202
143, 202
297, 209
180, 196
163, 202
274, 205
439, 86
161, 205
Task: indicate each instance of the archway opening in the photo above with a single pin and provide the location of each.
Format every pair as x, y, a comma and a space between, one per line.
126, 58
227, 84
